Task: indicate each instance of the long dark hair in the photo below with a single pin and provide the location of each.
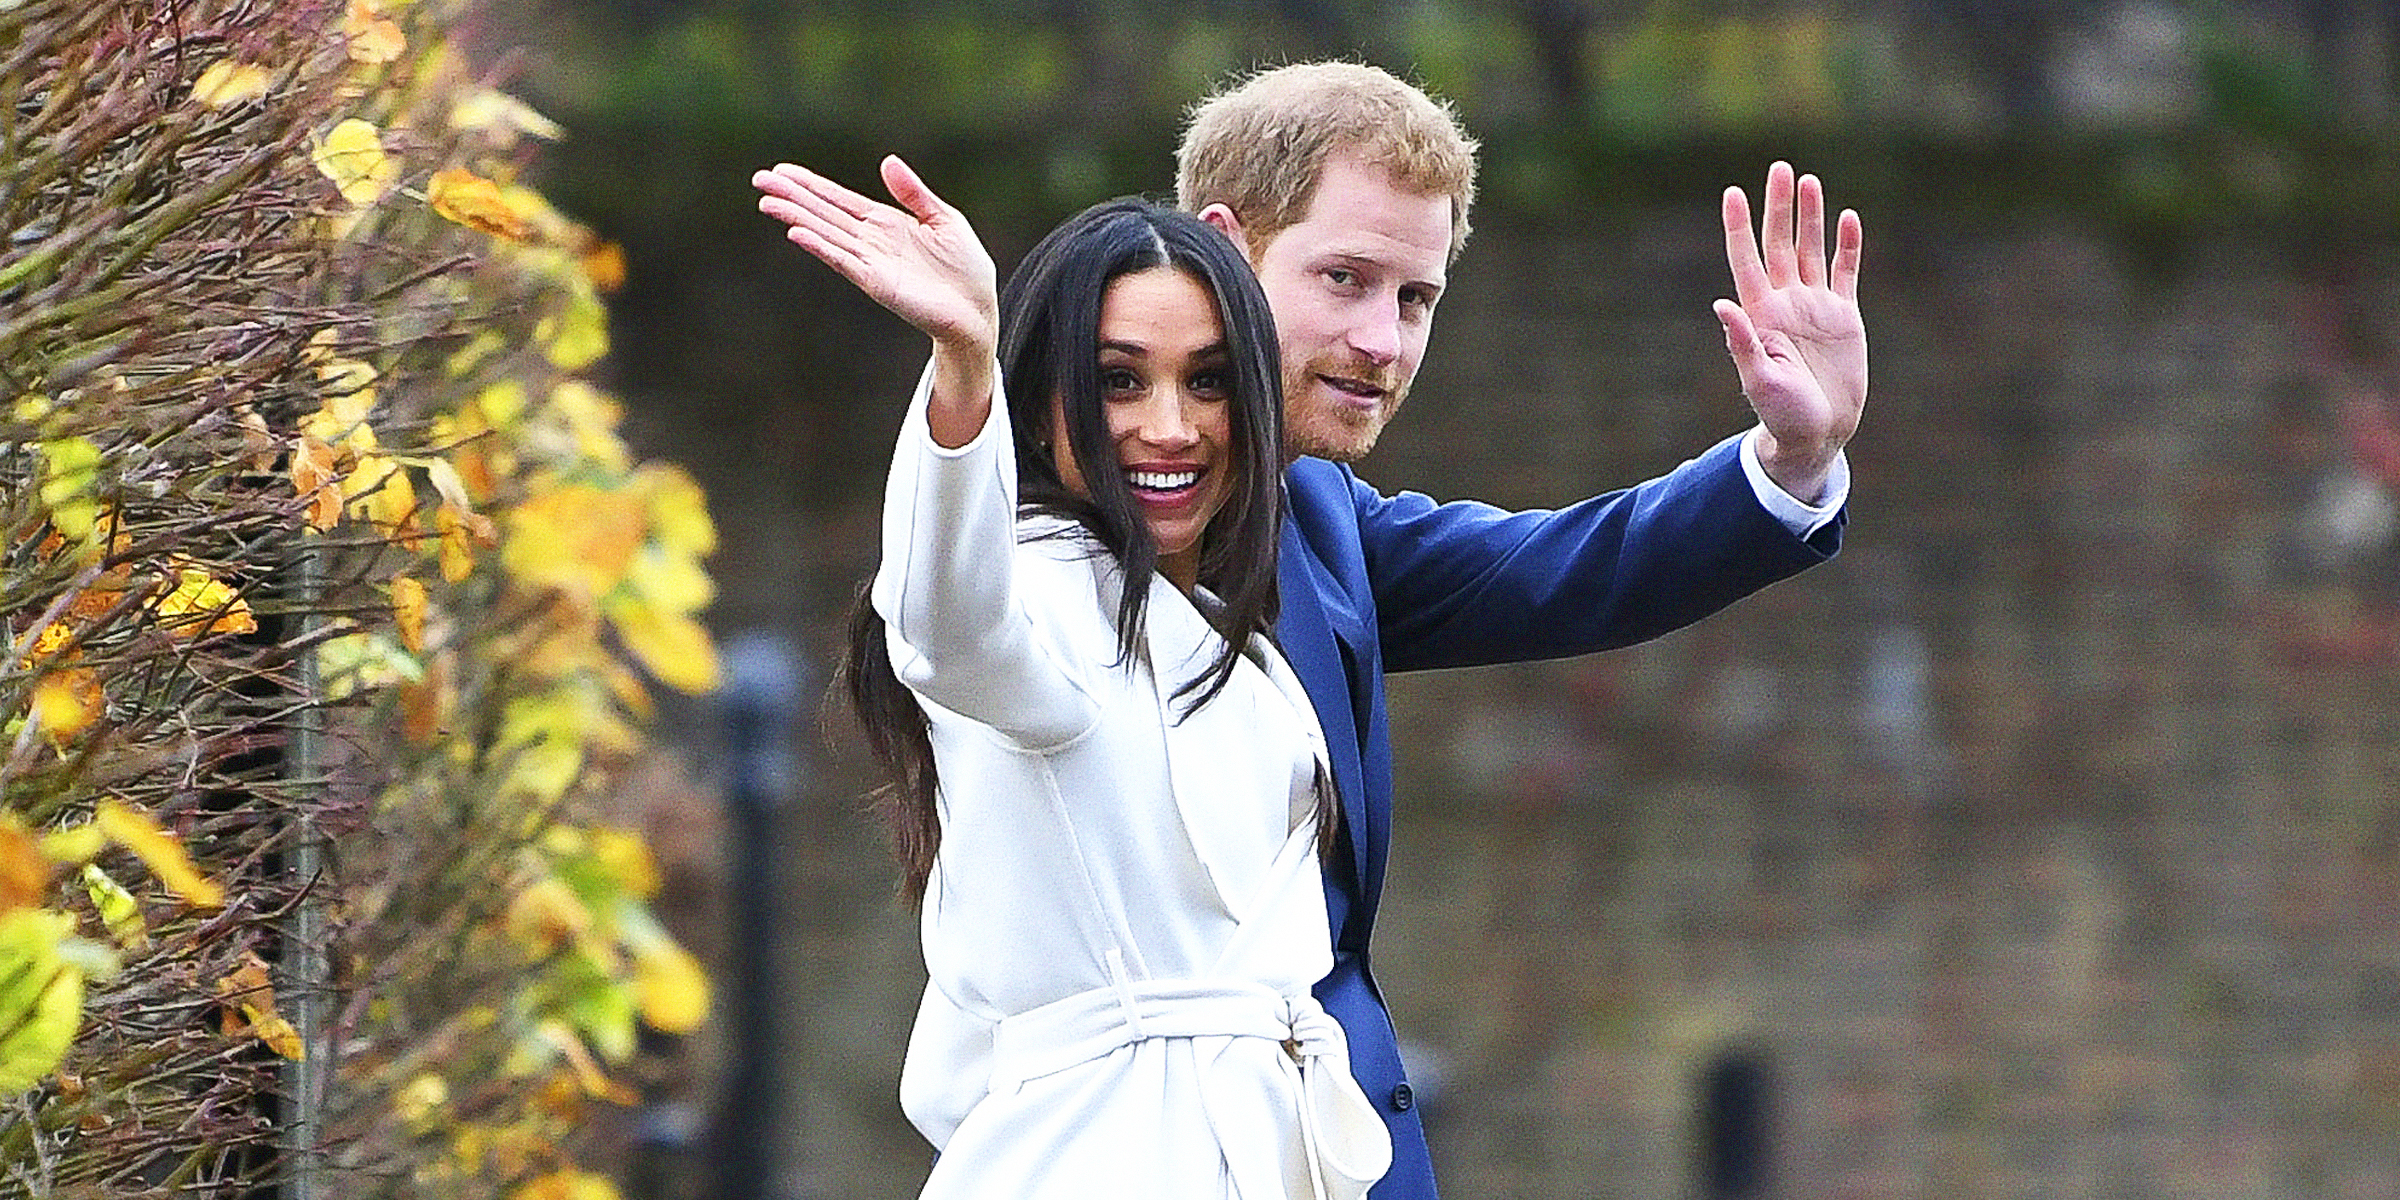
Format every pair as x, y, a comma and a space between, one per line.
1049, 347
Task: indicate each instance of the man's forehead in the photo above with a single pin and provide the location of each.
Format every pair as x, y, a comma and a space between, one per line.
1360, 209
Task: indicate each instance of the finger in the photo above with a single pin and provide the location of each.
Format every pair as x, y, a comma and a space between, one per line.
845, 263
774, 183
910, 190
1775, 226
1810, 255
805, 197
1849, 246
838, 230
808, 182
1741, 248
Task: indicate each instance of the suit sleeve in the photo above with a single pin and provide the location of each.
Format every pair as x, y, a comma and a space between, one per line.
1465, 584
956, 620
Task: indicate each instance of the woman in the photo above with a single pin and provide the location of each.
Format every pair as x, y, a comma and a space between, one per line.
1115, 784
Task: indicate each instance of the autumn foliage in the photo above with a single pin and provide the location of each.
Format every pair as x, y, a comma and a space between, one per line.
331, 602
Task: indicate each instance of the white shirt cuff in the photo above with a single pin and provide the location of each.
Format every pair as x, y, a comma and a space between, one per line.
1804, 520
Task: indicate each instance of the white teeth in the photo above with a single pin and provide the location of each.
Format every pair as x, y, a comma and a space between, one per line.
1162, 481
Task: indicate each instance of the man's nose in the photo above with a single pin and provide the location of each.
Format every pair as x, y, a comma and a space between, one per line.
1376, 334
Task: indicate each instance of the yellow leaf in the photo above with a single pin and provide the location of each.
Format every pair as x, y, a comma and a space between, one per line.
473, 201
160, 851
627, 859
458, 534
419, 1101
408, 612
541, 772
277, 1033
41, 995
354, 661
370, 37
198, 595
670, 988
549, 225
75, 844
575, 713
53, 638
670, 583
380, 492
70, 469
678, 509
67, 702
250, 991
349, 398
24, 869
576, 335
547, 914
577, 538
673, 647
567, 1185
351, 155
226, 83
117, 907
479, 348
492, 111
501, 404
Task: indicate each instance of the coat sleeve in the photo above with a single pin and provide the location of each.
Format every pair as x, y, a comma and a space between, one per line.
1465, 584
950, 591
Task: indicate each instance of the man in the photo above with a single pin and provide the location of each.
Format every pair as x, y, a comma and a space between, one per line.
1349, 190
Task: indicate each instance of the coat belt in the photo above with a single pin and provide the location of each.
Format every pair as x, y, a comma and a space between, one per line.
1342, 1135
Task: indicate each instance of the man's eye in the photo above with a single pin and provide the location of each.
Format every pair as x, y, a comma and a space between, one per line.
1341, 277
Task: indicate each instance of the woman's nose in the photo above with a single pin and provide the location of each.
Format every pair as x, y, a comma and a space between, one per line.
1167, 422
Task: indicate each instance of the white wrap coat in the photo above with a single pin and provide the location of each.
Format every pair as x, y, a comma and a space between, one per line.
1127, 911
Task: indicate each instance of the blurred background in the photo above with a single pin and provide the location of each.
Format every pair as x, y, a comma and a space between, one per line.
2045, 844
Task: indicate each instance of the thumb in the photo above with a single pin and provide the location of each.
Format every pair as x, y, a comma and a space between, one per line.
911, 191
1741, 338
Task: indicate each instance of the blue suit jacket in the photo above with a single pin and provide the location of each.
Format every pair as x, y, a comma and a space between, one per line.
1372, 584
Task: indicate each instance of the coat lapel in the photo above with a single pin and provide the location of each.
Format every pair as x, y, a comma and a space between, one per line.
1180, 645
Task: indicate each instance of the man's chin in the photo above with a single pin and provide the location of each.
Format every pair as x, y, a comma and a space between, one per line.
1342, 443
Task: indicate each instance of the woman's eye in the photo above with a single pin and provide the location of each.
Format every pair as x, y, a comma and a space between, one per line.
1210, 383
1119, 381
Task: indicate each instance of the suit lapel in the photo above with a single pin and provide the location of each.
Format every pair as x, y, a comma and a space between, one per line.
1321, 637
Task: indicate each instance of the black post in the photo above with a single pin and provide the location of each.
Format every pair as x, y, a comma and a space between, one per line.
762, 704
1736, 1120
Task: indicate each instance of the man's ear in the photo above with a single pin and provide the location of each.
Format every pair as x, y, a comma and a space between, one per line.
1228, 224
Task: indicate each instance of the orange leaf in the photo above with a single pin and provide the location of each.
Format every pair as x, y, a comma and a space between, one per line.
604, 265
369, 36
475, 202
312, 479
24, 869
